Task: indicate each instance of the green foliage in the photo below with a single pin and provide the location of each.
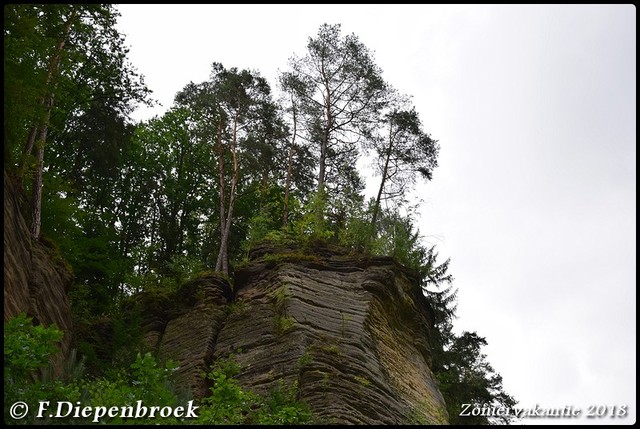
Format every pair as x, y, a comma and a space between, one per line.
358, 233
325, 379
266, 224
417, 417
144, 381
298, 256
112, 339
183, 268
398, 238
136, 207
283, 323
178, 270
312, 228
259, 227
363, 381
330, 348
27, 349
169, 174
465, 377
73, 369
463, 373
326, 346
237, 307
175, 272
307, 357
343, 67
404, 152
281, 407
281, 296
229, 403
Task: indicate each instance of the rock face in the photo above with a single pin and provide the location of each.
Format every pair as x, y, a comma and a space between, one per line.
184, 328
36, 281
352, 333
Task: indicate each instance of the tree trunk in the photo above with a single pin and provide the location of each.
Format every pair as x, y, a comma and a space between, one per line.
221, 178
323, 159
28, 147
376, 207
285, 215
264, 182
52, 71
223, 258
325, 142
36, 195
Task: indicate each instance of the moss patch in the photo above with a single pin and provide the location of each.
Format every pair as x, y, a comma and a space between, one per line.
299, 256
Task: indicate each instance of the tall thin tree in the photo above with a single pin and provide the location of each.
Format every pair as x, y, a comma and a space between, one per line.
404, 152
339, 90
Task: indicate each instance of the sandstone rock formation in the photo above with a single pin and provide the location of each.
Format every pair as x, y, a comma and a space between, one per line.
36, 279
352, 332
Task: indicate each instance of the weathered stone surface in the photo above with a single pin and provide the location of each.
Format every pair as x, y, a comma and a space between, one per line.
352, 332
36, 280
188, 330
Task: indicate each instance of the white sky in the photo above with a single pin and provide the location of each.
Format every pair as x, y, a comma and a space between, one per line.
534, 200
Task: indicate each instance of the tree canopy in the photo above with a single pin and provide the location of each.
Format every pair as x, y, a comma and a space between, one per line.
143, 206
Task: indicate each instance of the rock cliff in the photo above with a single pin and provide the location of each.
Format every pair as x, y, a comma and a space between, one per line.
352, 332
36, 279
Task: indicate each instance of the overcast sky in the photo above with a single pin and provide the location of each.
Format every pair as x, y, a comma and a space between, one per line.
534, 199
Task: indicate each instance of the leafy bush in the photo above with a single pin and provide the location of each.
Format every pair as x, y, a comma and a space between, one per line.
312, 226
144, 381
28, 350
281, 407
229, 403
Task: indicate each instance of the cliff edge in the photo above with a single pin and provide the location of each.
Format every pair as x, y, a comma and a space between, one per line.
352, 333
36, 279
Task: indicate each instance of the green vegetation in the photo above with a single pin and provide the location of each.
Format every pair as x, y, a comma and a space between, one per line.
325, 379
417, 417
325, 345
237, 307
231, 404
283, 323
330, 348
299, 256
280, 298
464, 375
28, 348
139, 209
362, 380
306, 358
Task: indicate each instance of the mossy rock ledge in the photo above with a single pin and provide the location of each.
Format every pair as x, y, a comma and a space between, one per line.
351, 331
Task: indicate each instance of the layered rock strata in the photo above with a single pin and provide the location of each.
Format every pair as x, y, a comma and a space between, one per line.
36, 279
351, 332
